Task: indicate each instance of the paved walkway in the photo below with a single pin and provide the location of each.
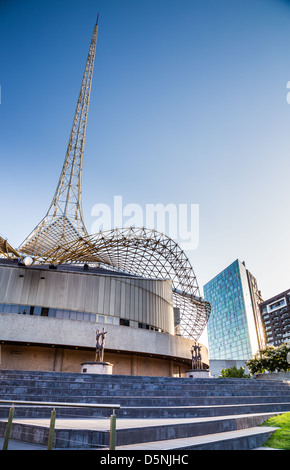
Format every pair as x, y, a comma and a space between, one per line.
19, 445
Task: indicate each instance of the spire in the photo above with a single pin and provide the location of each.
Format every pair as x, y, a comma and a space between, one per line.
64, 219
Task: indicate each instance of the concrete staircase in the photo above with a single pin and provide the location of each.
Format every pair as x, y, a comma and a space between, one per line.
156, 412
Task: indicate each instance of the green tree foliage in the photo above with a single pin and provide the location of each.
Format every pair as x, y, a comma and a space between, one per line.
233, 372
270, 359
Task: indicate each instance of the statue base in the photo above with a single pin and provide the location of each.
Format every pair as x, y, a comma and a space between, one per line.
97, 368
198, 373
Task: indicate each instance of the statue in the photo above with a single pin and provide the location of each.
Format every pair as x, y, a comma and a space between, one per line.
100, 346
198, 368
98, 366
196, 357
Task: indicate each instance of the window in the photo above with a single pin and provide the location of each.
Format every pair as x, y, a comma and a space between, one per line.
124, 322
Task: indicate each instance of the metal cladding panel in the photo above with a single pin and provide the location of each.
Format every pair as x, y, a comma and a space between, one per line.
89, 300
135, 305
100, 295
111, 309
118, 297
95, 294
144, 306
140, 300
132, 302
4, 282
138, 303
123, 301
73, 293
107, 295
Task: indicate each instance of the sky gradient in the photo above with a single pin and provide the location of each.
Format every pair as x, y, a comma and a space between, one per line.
188, 106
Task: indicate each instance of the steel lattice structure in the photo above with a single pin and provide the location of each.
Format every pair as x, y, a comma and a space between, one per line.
7, 250
64, 219
142, 252
61, 236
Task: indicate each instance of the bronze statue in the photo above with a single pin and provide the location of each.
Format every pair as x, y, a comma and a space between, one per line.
196, 362
100, 346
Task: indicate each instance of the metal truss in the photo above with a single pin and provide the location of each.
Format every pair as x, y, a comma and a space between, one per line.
145, 253
7, 250
61, 236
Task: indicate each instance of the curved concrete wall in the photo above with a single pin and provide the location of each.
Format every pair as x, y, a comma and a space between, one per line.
139, 300
90, 300
68, 333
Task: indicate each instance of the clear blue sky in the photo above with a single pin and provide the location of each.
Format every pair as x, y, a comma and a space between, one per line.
188, 105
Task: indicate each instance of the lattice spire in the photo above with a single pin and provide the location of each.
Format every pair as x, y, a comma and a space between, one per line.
61, 236
64, 219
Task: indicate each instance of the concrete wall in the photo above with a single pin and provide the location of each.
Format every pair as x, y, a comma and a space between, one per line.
274, 376
43, 343
216, 365
27, 357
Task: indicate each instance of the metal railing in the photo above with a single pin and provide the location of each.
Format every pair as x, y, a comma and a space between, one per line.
55, 405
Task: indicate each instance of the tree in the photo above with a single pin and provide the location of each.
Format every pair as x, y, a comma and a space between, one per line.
270, 359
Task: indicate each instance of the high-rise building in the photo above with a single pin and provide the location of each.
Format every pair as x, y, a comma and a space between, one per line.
276, 317
235, 329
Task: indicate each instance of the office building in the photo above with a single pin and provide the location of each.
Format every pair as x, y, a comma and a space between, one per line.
235, 329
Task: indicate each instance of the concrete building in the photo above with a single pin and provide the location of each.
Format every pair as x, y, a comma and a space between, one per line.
49, 317
275, 313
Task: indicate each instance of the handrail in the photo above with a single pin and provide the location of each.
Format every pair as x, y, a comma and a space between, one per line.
58, 403
53, 416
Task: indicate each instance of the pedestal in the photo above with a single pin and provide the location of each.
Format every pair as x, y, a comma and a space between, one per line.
97, 368
198, 373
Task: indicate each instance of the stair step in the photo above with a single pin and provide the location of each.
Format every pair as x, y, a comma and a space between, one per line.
86, 433
166, 411
133, 412
242, 439
117, 379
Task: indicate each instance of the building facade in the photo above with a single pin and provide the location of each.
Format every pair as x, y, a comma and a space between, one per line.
235, 329
275, 313
49, 316
52, 300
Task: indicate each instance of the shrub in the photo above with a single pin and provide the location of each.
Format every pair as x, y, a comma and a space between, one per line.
233, 372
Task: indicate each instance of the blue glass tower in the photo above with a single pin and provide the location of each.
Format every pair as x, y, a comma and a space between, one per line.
233, 328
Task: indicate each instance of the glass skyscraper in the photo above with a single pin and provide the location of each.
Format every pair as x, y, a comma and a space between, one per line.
235, 330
